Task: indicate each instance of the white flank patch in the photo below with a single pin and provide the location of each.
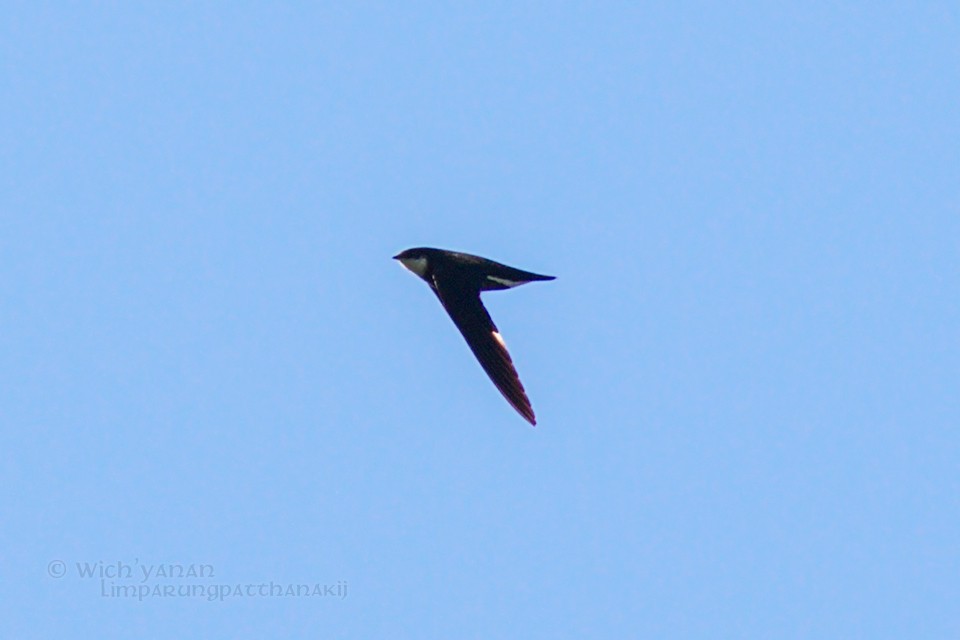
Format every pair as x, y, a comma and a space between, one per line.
499, 338
416, 265
504, 281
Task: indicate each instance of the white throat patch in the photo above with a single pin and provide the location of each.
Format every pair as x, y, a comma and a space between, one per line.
416, 265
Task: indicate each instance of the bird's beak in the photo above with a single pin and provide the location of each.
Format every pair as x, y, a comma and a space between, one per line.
396, 257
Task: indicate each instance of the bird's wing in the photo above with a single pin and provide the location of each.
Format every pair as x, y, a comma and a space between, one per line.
471, 317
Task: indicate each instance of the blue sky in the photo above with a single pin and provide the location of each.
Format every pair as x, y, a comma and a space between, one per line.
745, 373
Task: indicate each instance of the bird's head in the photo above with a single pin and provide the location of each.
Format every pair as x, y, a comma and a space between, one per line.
415, 260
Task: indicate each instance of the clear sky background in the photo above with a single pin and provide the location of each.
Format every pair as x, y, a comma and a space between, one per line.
746, 372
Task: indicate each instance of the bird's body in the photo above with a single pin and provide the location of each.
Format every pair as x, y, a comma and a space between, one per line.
457, 279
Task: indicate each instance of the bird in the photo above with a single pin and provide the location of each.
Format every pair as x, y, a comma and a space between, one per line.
458, 279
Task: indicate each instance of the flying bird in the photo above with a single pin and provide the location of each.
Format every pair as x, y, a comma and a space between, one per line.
458, 279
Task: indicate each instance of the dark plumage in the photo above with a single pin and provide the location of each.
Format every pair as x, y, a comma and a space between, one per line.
458, 279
